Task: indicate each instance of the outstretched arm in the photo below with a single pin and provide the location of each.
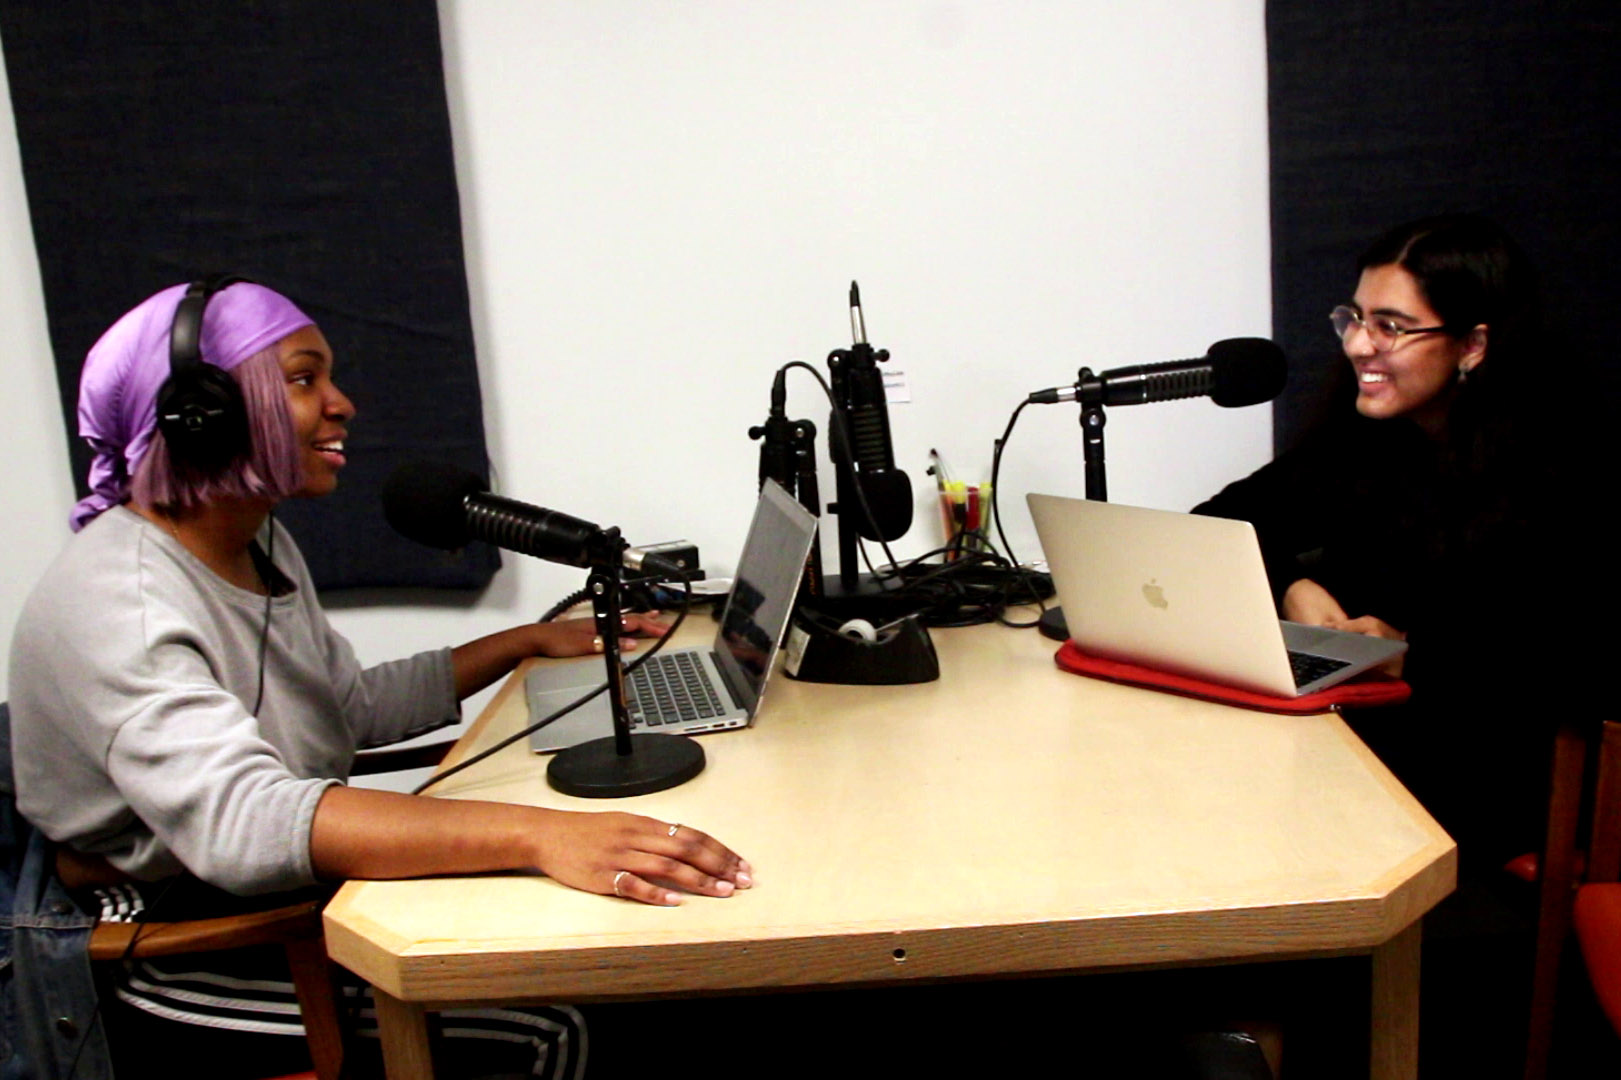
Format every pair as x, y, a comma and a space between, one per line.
479, 663
360, 833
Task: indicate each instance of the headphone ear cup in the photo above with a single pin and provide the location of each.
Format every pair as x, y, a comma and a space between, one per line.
203, 419
200, 409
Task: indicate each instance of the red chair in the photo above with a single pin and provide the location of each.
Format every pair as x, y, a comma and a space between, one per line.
1556, 871
1598, 902
1564, 901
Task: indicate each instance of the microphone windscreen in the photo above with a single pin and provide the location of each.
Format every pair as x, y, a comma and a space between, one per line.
889, 497
425, 501
1246, 371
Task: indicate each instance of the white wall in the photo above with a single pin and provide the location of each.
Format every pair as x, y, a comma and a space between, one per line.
35, 488
662, 203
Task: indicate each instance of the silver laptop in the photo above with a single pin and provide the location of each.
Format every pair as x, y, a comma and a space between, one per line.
1188, 594
693, 691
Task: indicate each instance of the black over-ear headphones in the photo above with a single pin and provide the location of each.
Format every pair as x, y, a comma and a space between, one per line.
200, 407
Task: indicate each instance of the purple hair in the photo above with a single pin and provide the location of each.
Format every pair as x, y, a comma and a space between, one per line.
272, 468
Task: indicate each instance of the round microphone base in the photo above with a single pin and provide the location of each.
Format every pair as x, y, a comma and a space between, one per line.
596, 770
1052, 624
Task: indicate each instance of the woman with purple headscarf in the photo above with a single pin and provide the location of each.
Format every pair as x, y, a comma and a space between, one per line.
183, 712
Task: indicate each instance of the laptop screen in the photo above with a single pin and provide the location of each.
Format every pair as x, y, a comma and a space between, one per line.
768, 576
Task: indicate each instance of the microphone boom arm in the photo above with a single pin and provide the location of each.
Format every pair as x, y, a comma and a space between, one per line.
788, 456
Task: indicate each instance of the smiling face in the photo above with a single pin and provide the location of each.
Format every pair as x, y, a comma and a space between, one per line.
318, 409
1416, 378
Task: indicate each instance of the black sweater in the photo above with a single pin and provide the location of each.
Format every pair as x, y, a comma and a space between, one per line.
1473, 546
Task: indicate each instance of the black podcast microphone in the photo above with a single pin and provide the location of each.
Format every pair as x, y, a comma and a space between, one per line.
1235, 372
446, 506
859, 387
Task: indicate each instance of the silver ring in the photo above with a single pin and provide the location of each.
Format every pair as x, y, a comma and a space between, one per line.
617, 878
674, 829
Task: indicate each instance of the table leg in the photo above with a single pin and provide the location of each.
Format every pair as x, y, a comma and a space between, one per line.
1393, 1042
402, 1028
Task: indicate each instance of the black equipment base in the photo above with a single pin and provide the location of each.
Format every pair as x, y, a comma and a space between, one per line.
596, 770
904, 653
1052, 624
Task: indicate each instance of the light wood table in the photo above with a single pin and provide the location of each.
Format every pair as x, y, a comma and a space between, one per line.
1009, 818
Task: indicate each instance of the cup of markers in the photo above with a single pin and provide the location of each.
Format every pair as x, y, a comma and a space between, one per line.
965, 513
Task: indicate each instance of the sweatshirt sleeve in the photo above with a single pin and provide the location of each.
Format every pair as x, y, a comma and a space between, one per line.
195, 769
392, 701
379, 705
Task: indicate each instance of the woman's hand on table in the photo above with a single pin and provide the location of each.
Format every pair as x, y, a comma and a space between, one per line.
578, 637
638, 858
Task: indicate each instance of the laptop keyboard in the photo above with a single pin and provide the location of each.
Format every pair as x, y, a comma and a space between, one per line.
1309, 668
670, 689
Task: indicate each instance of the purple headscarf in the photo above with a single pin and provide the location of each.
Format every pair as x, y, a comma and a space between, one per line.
118, 389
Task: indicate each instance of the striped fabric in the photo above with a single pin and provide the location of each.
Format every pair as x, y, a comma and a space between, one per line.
249, 992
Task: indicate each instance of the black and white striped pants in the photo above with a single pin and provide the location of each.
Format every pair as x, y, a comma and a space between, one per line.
241, 1005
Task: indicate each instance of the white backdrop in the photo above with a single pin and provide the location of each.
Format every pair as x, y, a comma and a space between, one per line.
664, 202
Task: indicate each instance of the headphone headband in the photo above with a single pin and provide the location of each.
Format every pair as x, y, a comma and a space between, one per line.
186, 334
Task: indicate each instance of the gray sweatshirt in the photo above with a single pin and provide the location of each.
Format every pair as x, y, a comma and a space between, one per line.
133, 670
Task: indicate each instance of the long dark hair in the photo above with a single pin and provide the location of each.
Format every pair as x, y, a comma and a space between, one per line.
1472, 273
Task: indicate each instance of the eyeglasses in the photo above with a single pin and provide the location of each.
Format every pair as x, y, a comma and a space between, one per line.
1382, 331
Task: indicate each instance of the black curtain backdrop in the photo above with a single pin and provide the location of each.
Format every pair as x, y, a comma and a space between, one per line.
303, 143
1383, 111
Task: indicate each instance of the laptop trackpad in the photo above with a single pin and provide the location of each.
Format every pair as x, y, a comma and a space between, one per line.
593, 720
581, 675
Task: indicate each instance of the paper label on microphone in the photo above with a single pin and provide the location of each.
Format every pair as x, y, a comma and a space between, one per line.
896, 389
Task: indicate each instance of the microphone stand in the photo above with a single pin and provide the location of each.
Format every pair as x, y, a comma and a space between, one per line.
788, 456
1089, 392
621, 764
1092, 421
807, 488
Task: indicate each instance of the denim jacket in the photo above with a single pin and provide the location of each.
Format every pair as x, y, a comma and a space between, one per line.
47, 995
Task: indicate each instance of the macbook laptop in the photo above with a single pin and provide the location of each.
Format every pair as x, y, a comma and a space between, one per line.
693, 691
1187, 594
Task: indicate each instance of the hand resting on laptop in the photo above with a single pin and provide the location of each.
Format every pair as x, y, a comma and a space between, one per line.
1308, 602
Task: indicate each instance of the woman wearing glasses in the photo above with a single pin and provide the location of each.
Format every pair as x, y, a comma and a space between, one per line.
1444, 510
1432, 514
